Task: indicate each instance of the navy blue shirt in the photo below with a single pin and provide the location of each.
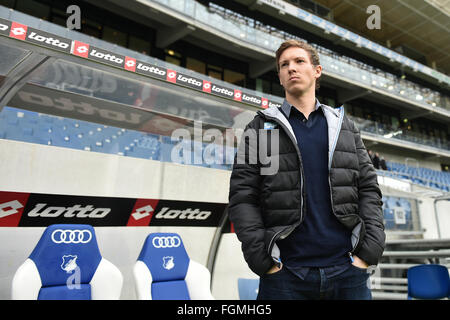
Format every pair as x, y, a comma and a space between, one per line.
320, 240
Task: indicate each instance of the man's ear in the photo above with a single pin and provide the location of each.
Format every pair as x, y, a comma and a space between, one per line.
318, 71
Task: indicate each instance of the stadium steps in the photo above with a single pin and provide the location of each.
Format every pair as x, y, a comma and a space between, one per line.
386, 280
418, 254
389, 281
389, 296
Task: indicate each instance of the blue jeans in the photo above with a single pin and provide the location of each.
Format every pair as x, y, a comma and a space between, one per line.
352, 284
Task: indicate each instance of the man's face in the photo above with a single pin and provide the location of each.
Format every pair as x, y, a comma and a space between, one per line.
297, 74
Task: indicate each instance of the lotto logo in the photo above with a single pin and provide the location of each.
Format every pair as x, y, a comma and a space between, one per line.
130, 64
207, 86
105, 56
48, 40
80, 49
166, 242
171, 76
11, 207
18, 31
264, 103
189, 81
142, 212
237, 95
196, 214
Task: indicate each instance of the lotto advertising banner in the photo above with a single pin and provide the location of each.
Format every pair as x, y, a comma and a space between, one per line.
84, 50
18, 209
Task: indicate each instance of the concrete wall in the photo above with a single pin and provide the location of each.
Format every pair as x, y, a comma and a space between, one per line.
443, 217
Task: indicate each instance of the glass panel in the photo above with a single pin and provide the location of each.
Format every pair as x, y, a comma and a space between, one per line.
74, 106
195, 65
173, 60
234, 77
34, 8
139, 45
215, 74
114, 36
85, 93
10, 57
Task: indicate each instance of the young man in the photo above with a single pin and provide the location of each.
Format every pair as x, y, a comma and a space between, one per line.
311, 229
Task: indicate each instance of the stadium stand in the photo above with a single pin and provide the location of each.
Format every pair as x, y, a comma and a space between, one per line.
33, 127
423, 176
397, 213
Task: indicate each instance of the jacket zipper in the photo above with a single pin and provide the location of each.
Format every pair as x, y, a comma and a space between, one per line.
278, 235
272, 241
353, 249
341, 117
292, 227
350, 254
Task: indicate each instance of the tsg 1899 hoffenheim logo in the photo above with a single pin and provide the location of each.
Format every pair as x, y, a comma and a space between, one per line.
69, 263
168, 262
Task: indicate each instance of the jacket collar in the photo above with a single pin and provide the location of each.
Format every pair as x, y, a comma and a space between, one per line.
334, 118
286, 107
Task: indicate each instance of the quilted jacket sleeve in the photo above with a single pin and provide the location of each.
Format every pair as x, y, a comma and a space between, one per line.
370, 207
244, 203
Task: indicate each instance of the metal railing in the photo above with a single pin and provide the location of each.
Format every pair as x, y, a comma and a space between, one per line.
388, 132
389, 281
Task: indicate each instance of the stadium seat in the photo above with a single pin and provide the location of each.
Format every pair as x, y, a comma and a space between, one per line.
428, 281
66, 264
166, 149
248, 288
164, 271
389, 222
29, 126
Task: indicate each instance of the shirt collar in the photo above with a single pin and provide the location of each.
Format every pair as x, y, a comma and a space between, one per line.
286, 107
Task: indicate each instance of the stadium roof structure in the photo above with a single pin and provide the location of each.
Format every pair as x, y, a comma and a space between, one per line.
417, 24
421, 25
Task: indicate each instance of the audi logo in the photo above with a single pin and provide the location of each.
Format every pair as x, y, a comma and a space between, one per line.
71, 236
166, 242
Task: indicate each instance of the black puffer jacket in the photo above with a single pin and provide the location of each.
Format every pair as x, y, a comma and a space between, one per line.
267, 207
